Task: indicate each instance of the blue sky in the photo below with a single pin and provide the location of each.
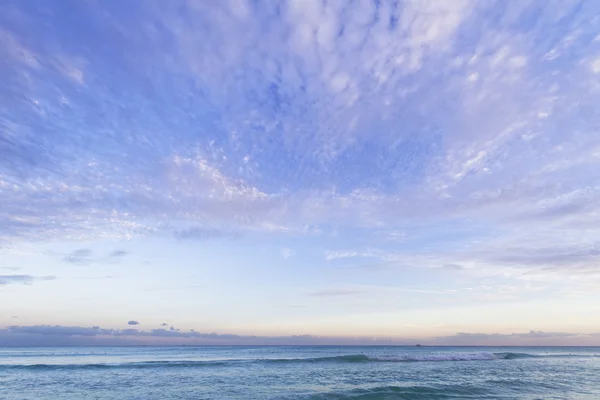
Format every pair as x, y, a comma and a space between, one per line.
398, 170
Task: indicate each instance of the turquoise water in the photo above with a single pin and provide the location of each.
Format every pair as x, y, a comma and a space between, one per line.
299, 373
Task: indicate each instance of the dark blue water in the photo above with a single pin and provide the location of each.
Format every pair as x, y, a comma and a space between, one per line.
299, 373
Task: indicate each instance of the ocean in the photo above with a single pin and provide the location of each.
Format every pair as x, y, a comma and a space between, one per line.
320, 372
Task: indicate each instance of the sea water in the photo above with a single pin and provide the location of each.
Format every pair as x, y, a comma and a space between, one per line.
299, 373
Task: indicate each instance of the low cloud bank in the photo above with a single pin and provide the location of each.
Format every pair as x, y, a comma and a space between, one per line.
49, 335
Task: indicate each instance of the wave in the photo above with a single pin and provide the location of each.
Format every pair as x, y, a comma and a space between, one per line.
356, 358
126, 365
360, 358
514, 356
404, 392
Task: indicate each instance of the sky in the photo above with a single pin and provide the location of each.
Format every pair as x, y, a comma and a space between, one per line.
299, 172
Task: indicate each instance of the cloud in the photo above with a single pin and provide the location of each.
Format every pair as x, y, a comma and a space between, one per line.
335, 255
287, 253
132, 322
538, 337
126, 332
57, 330
164, 324
86, 257
446, 121
57, 334
198, 233
79, 257
550, 255
10, 268
454, 267
23, 279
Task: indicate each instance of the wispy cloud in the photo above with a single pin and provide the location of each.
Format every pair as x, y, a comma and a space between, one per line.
133, 322
86, 257
80, 257
23, 279
334, 255
199, 233
118, 253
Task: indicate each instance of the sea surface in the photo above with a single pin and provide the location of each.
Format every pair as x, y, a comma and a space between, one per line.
300, 373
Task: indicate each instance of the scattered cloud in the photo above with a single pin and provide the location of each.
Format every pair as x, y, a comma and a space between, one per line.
322, 119
133, 322
164, 324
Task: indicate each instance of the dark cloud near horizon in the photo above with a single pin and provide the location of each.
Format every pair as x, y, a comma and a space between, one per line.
164, 324
126, 332
133, 322
23, 279
58, 330
532, 335
53, 334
